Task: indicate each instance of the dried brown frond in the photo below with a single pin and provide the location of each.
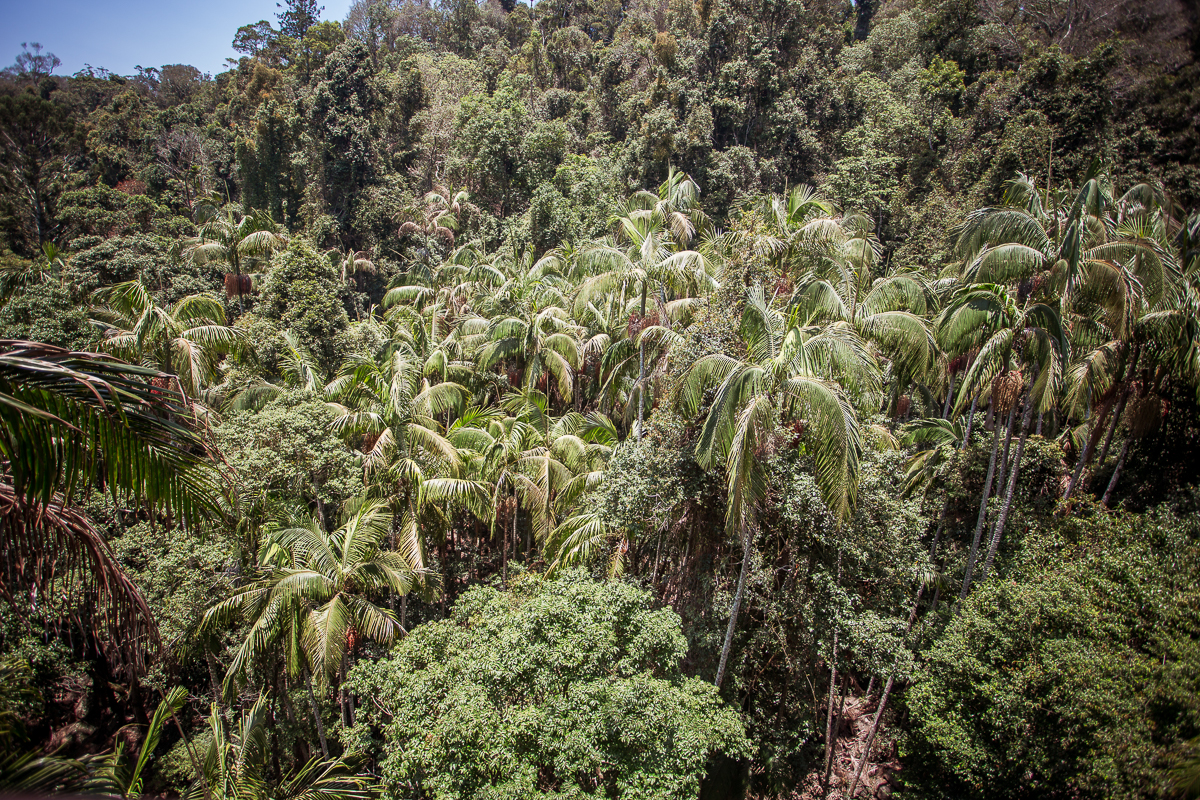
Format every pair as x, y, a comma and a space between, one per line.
54, 551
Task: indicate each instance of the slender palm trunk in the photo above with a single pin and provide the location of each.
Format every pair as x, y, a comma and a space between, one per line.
1116, 476
1094, 438
949, 395
833, 676
1014, 473
970, 422
642, 369
829, 743
312, 698
737, 605
866, 756
504, 554
1003, 465
237, 270
216, 682
1116, 420
345, 695
834, 728
987, 490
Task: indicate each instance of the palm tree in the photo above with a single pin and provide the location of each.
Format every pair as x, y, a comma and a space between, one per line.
650, 254
1075, 247
236, 767
495, 444
186, 339
121, 775
298, 370
239, 240
17, 275
67, 421
441, 214
787, 373
350, 264
389, 399
543, 341
831, 261
313, 593
1007, 335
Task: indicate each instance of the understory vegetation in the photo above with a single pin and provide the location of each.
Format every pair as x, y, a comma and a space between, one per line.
730, 398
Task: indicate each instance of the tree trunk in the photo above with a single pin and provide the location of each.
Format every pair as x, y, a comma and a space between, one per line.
1116, 420
987, 490
949, 395
1116, 474
191, 751
1094, 438
737, 605
216, 682
642, 372
1014, 473
1003, 465
970, 421
839, 715
312, 698
345, 691
866, 756
829, 743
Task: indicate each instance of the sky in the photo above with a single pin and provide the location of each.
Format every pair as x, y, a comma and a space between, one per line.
120, 35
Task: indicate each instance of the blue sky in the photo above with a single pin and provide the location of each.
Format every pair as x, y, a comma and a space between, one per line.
121, 34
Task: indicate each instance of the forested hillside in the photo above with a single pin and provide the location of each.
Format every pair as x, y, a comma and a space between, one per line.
598, 398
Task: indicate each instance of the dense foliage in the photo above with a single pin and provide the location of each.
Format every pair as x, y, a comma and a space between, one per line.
563, 687
647, 399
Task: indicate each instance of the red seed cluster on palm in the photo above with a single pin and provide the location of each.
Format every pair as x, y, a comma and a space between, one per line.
637, 323
505, 508
1006, 390
238, 285
160, 384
